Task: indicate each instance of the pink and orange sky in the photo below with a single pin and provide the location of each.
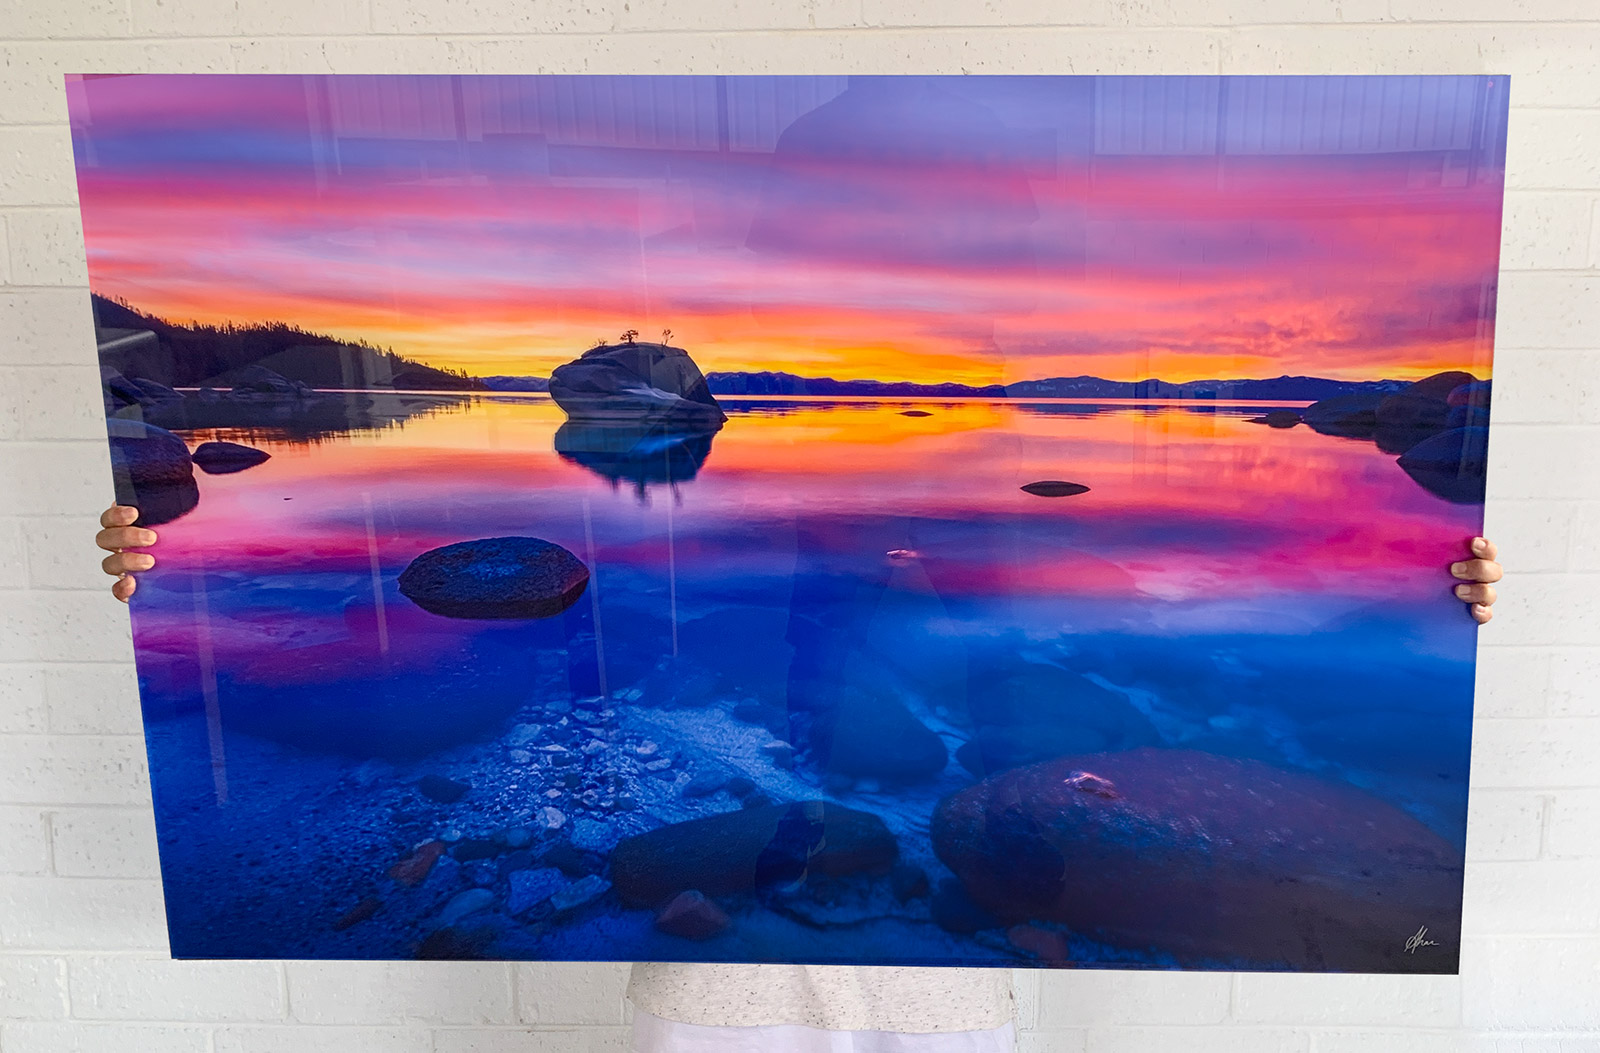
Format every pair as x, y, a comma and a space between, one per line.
969, 229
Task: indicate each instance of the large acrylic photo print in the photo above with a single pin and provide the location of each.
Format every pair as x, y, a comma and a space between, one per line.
996, 521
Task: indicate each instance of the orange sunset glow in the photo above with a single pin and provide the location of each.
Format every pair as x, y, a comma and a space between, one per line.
920, 229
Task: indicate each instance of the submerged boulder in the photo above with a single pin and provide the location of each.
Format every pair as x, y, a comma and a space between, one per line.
747, 849
1035, 712
495, 577
630, 382
870, 734
1209, 858
225, 458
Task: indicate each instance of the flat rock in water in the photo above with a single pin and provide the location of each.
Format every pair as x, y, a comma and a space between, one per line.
438, 788
225, 458
1277, 419
415, 868
738, 851
465, 903
529, 888
915, 413
495, 577
1208, 858
1054, 488
582, 891
591, 835
692, 916
358, 913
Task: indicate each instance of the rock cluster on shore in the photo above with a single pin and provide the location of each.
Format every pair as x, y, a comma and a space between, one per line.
1440, 426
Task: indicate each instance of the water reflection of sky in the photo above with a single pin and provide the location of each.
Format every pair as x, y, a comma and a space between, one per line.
1195, 525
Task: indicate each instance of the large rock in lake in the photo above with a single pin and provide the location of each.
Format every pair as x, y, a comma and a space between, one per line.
631, 382
738, 851
225, 458
1212, 859
495, 577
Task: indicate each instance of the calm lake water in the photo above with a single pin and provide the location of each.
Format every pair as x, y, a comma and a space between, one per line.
1251, 592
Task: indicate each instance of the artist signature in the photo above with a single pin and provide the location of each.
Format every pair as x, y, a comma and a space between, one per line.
1419, 939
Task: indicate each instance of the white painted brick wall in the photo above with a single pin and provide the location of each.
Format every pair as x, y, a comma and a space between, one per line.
81, 925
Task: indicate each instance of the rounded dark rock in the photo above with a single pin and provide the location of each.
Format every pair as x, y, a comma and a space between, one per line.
1207, 858
496, 577
738, 851
1054, 488
1277, 419
224, 458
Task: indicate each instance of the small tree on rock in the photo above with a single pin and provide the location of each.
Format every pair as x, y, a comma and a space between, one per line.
627, 337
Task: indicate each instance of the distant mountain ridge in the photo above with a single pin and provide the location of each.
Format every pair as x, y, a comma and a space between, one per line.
770, 384
1276, 389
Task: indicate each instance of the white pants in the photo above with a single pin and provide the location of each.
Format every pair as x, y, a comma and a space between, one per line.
652, 1034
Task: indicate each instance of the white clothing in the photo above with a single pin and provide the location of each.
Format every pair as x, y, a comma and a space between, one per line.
652, 1034
911, 1000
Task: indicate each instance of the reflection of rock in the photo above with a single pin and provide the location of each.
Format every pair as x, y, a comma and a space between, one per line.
632, 382
1277, 419
225, 458
495, 577
1041, 711
641, 453
1054, 488
152, 471
750, 848
1452, 464
1206, 857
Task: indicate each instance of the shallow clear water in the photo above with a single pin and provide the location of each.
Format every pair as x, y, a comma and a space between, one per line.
1250, 592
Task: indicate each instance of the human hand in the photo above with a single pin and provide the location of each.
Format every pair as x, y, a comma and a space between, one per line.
1480, 571
117, 536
